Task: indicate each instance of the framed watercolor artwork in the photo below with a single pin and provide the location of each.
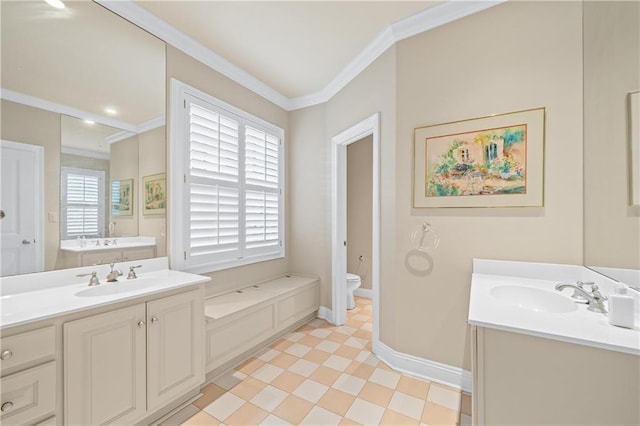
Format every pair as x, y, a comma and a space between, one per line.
122, 197
494, 161
155, 194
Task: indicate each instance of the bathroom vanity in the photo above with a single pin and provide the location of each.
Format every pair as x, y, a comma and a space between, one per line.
122, 353
101, 251
538, 357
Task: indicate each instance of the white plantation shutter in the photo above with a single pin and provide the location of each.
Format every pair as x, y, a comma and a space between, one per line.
82, 202
233, 186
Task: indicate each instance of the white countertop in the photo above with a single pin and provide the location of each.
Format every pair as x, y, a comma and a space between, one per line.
578, 326
89, 245
39, 296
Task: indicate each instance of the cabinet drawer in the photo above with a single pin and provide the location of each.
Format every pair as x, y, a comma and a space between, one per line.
18, 350
28, 394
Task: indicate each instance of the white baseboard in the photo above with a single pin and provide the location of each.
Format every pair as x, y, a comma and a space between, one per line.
367, 293
424, 368
326, 314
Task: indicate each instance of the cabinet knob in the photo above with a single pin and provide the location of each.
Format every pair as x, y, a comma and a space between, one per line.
141, 324
7, 406
6, 354
154, 319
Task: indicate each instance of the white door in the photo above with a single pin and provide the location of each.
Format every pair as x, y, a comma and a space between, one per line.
21, 209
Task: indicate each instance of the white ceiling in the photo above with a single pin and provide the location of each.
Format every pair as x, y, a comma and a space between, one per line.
80, 135
296, 48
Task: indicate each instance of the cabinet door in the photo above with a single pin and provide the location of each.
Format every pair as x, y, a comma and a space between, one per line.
138, 253
104, 368
175, 352
101, 258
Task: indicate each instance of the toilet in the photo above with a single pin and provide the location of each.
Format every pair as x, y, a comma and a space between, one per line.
353, 282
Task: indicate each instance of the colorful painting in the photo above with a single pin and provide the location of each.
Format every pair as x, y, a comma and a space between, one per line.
122, 197
155, 194
484, 162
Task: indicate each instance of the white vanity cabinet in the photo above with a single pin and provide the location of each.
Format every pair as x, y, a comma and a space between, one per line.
113, 255
123, 364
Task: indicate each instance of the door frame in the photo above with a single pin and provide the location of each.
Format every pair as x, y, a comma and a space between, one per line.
366, 127
38, 194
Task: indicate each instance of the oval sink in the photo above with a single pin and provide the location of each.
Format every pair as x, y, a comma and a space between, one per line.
533, 299
120, 287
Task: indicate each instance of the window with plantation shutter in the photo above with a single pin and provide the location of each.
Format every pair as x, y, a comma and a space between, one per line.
82, 203
230, 166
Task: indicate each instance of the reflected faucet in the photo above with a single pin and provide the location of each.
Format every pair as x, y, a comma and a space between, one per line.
594, 299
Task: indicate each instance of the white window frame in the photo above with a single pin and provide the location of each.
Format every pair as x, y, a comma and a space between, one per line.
101, 175
179, 202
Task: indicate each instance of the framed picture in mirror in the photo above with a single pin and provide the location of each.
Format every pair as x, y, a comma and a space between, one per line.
634, 135
155, 194
122, 197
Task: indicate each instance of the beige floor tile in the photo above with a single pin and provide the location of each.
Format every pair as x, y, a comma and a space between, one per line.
384, 377
273, 420
229, 379
225, 406
283, 360
288, 381
347, 422
338, 337
317, 356
392, 418
360, 369
210, 393
311, 390
412, 386
365, 412
319, 416
293, 409
465, 404
250, 365
325, 375
406, 404
376, 393
354, 323
202, 419
336, 401
437, 415
362, 334
305, 329
347, 351
281, 345
310, 341
248, 414
445, 396
248, 388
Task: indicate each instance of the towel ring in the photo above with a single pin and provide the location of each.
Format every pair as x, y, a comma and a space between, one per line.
425, 238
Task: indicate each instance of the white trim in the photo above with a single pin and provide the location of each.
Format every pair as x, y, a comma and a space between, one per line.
38, 193
433, 17
368, 126
425, 369
367, 293
85, 153
154, 123
326, 314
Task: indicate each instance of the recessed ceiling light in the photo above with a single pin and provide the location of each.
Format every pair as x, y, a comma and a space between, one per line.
111, 111
55, 3
87, 121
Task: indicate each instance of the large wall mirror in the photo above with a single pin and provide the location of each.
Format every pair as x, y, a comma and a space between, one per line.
83, 106
611, 83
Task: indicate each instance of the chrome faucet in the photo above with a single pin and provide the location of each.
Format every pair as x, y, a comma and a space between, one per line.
93, 280
113, 275
132, 273
594, 299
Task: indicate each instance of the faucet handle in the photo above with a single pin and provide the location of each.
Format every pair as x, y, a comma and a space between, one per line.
595, 290
132, 273
94, 280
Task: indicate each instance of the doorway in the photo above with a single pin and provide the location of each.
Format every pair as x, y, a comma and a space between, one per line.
21, 208
368, 127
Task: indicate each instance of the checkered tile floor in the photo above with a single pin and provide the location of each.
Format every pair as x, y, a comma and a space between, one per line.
324, 375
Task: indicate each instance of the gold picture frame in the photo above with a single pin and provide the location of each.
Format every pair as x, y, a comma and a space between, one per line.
154, 194
493, 161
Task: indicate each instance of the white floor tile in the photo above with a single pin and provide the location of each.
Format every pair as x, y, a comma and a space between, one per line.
337, 362
224, 406
294, 336
321, 332
345, 329
328, 346
365, 413
367, 327
268, 355
298, 350
269, 398
359, 317
318, 416
445, 397
229, 379
272, 420
267, 373
406, 404
303, 367
349, 384
385, 378
355, 342
310, 390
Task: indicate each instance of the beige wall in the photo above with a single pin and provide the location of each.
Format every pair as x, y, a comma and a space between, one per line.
152, 160
188, 70
124, 165
21, 123
359, 202
611, 71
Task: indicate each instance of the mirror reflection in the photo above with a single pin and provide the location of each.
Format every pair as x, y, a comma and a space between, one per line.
83, 103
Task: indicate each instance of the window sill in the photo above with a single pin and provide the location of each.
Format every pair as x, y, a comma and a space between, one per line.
228, 264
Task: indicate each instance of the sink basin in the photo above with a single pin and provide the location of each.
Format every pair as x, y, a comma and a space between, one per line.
120, 287
533, 299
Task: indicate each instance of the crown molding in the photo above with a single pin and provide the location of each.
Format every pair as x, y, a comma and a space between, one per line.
85, 153
117, 137
433, 17
35, 102
154, 123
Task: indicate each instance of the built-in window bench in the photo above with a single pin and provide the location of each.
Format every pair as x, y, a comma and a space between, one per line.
243, 321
